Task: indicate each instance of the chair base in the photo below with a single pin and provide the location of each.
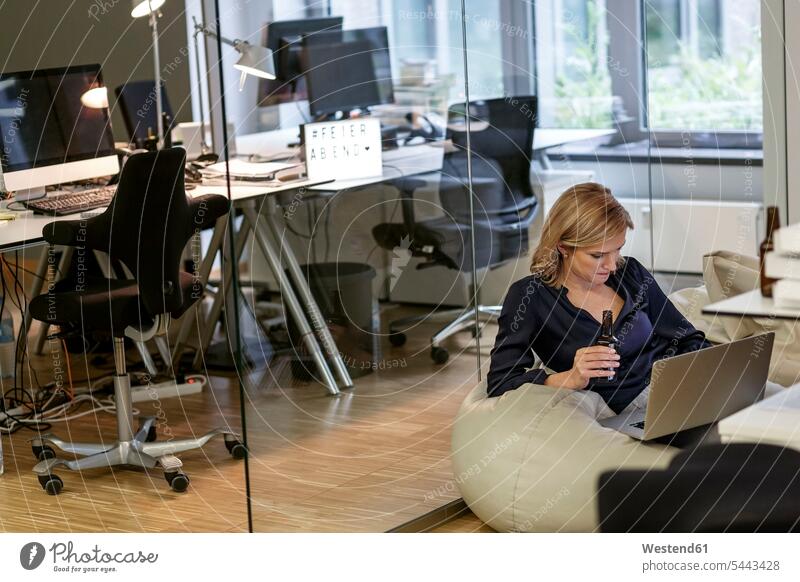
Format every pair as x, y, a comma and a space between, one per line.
137, 449
463, 319
140, 451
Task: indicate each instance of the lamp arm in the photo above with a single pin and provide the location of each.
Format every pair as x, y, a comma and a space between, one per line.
202, 28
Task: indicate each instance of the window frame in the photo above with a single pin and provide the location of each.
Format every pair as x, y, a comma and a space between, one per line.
632, 14
628, 72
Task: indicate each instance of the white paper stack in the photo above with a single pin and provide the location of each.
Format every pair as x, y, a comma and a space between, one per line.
774, 420
784, 264
242, 171
787, 240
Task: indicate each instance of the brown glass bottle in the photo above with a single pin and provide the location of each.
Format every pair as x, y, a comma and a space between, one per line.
773, 224
606, 338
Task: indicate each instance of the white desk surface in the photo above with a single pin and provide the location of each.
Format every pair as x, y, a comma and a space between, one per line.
404, 161
549, 138
26, 230
751, 304
239, 193
274, 143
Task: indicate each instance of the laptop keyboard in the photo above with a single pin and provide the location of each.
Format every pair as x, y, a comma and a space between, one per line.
637, 424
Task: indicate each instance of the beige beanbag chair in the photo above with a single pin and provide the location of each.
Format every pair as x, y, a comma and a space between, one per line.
529, 460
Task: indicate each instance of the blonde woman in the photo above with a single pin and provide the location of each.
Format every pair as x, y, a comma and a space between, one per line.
577, 273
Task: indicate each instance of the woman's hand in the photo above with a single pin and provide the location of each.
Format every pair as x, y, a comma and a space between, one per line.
588, 363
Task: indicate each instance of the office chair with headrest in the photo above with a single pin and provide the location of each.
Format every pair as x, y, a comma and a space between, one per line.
146, 227
501, 137
137, 101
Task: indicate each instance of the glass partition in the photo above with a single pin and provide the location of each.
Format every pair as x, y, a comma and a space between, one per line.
93, 363
390, 166
355, 268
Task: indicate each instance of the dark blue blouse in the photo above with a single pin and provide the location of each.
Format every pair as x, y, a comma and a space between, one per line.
537, 318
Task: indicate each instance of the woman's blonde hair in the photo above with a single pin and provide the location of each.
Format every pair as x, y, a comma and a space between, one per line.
585, 215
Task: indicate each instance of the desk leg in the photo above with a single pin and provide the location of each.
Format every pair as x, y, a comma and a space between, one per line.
207, 330
204, 272
295, 309
317, 320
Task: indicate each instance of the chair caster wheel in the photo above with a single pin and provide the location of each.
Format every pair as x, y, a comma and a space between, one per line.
51, 483
439, 355
43, 452
179, 482
236, 449
397, 338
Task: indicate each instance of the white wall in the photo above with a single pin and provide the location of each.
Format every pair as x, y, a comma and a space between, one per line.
791, 121
776, 188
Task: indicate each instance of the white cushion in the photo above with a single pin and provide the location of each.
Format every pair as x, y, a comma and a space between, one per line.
529, 460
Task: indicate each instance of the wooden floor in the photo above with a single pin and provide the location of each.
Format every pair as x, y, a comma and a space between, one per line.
369, 460
467, 523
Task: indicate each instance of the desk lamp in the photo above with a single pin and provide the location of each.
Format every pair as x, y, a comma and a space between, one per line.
151, 8
255, 60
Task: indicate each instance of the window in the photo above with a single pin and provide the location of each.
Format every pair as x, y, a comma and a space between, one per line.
704, 65
703, 69
574, 85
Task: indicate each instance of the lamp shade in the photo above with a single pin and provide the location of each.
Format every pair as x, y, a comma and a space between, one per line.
95, 98
255, 60
144, 7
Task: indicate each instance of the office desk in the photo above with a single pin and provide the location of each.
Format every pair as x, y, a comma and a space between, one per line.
25, 231
275, 143
260, 210
751, 304
258, 207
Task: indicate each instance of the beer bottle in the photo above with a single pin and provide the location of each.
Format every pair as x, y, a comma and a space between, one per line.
606, 338
773, 224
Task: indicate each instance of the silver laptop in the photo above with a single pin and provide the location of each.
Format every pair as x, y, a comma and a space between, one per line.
700, 388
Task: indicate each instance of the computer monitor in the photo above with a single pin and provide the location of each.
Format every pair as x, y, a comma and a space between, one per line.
347, 70
48, 135
137, 101
284, 39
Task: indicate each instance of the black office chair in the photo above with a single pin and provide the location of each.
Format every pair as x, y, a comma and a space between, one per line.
137, 102
504, 206
146, 227
713, 488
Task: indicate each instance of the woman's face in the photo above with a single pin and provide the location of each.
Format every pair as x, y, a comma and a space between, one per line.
593, 265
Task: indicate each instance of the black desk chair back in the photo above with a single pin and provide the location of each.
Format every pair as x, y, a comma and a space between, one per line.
146, 227
501, 140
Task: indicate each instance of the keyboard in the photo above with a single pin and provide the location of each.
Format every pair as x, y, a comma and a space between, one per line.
72, 202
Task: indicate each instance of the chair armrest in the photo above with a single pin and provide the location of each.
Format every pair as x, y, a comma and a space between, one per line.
207, 209
68, 233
